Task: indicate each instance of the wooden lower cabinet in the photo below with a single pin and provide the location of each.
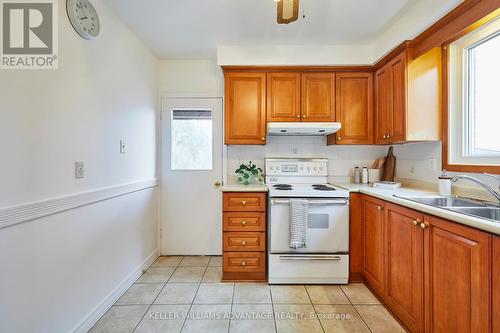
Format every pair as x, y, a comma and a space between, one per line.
457, 270
495, 287
244, 236
435, 275
404, 289
373, 243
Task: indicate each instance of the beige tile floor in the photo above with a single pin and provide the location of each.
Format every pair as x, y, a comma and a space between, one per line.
185, 294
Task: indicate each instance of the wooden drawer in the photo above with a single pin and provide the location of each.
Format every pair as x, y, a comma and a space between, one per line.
236, 221
244, 241
244, 202
244, 262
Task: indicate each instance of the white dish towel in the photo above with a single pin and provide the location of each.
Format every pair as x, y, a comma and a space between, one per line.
299, 214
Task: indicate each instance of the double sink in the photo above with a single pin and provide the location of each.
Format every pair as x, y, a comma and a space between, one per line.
471, 207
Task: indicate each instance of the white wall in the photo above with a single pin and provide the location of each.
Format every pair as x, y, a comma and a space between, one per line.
57, 269
190, 78
290, 55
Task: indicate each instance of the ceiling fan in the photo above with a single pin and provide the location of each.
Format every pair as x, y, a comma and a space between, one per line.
288, 11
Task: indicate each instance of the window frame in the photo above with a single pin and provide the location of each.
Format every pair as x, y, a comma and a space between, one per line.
455, 74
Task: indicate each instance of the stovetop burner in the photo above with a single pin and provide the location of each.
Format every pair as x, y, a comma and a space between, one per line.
322, 187
283, 187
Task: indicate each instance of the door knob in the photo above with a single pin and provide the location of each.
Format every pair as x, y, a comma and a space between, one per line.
217, 183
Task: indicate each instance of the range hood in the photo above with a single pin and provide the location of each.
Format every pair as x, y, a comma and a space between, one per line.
318, 129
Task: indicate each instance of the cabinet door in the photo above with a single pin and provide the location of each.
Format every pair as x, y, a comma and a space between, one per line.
373, 243
404, 266
495, 314
318, 97
355, 237
457, 268
245, 108
399, 85
283, 97
383, 105
354, 108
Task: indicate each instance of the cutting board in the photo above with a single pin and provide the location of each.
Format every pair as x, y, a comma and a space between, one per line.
389, 166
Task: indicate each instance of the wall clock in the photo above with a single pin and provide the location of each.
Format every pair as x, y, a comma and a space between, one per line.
83, 18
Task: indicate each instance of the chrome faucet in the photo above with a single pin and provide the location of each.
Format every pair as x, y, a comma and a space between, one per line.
494, 193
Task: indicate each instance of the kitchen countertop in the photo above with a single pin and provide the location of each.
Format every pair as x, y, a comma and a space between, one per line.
244, 188
388, 195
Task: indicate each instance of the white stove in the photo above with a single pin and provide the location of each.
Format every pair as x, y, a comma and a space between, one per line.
325, 259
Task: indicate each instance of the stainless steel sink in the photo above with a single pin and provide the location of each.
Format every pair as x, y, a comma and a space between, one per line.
476, 208
489, 213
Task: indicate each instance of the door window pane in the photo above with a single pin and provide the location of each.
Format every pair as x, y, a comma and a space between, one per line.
484, 97
191, 147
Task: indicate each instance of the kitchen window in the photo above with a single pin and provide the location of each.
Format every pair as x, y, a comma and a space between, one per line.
474, 99
191, 144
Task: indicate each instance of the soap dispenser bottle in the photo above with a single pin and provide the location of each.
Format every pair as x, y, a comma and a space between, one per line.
444, 184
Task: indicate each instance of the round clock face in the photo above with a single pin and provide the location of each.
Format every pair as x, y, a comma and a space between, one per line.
83, 18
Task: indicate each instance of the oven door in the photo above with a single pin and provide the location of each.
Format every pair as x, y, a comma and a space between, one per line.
327, 231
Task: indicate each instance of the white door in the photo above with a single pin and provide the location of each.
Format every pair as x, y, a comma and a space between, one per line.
191, 167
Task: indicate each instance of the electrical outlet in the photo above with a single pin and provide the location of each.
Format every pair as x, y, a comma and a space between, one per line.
412, 169
79, 170
122, 146
432, 164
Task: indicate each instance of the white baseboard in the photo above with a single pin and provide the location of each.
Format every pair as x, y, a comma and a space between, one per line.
89, 321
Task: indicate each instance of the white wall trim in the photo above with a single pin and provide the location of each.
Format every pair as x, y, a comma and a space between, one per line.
34, 210
91, 319
168, 95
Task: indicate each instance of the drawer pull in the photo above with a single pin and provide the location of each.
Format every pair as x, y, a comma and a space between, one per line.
243, 202
243, 243
243, 222
310, 257
243, 263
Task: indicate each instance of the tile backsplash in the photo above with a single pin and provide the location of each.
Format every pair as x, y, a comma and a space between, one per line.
342, 159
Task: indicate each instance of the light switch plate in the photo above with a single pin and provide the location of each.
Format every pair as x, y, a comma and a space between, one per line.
122, 146
79, 170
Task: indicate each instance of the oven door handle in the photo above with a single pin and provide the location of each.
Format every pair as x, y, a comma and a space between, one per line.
341, 202
309, 257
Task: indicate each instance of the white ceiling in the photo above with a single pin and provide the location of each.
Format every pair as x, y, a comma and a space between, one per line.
192, 29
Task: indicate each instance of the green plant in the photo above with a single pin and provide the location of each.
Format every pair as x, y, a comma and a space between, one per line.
246, 171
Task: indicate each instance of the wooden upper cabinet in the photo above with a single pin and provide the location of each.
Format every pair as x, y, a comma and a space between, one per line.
398, 75
404, 265
383, 105
283, 97
245, 108
408, 98
354, 108
374, 244
318, 97
457, 275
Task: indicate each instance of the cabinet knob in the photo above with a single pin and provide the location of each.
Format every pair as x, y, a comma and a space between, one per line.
424, 225
385, 136
415, 222
243, 202
298, 116
243, 222
303, 116
263, 139
379, 207
243, 263
388, 136
339, 138
243, 243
